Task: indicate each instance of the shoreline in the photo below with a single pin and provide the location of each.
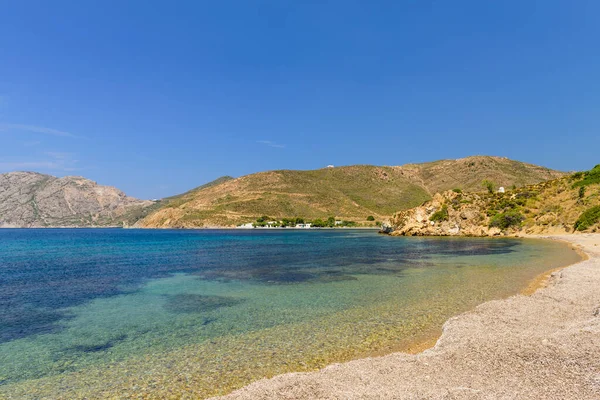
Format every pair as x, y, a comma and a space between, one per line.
416, 374
543, 280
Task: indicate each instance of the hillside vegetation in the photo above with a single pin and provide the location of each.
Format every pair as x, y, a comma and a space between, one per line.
563, 205
351, 193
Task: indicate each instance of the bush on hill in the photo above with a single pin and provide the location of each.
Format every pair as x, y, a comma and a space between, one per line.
588, 218
589, 178
370, 218
488, 185
441, 215
506, 219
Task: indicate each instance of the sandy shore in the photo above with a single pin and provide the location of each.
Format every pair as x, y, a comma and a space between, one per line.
542, 346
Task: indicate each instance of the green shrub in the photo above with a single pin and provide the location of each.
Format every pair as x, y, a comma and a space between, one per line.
441, 215
347, 223
488, 185
506, 203
457, 190
370, 218
506, 219
319, 223
589, 178
582, 192
330, 222
588, 218
577, 175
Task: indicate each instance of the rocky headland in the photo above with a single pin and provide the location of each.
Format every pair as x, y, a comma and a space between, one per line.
557, 206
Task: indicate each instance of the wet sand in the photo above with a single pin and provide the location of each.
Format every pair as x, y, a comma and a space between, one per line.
542, 346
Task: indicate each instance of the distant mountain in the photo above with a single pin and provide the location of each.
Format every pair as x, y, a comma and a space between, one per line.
352, 192
29, 199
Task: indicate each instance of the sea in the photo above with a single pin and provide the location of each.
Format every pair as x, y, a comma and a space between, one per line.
96, 313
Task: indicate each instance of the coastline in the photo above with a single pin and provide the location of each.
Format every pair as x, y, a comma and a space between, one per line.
542, 343
543, 280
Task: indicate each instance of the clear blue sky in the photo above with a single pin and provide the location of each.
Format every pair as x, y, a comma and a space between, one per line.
159, 97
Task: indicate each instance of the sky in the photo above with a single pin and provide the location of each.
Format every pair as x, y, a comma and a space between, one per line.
158, 97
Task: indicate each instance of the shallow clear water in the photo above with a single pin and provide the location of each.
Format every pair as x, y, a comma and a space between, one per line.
96, 312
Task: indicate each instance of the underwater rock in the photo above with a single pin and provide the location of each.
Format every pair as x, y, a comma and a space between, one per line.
197, 303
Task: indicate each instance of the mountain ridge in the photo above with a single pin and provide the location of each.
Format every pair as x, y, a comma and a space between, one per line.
349, 192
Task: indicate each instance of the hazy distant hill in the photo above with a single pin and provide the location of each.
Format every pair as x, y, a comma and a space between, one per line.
29, 199
351, 193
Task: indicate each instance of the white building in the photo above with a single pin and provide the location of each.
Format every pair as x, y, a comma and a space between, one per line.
330, 166
501, 189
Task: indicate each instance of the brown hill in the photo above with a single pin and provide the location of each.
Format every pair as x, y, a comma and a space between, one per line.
351, 193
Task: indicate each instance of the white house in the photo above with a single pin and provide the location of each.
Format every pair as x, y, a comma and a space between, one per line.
501, 189
330, 166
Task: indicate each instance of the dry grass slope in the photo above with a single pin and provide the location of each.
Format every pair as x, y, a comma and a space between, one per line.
350, 193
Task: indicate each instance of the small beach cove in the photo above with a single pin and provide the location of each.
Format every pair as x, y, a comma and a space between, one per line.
373, 301
545, 345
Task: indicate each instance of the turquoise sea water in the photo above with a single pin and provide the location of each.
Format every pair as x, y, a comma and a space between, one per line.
114, 312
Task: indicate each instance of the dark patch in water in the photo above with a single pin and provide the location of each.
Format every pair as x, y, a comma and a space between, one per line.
19, 322
335, 276
43, 272
289, 277
208, 321
96, 347
197, 303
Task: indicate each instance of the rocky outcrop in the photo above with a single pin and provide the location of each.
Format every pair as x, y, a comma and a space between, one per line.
463, 215
29, 199
551, 207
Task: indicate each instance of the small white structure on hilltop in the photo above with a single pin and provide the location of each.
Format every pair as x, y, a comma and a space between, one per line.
330, 166
501, 189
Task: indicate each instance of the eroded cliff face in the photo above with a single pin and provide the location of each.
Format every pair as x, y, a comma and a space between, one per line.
29, 199
465, 217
